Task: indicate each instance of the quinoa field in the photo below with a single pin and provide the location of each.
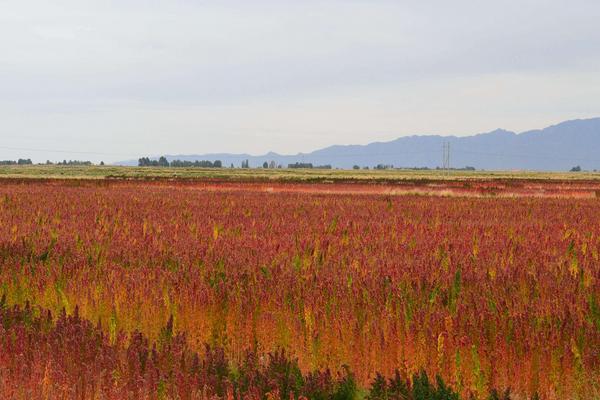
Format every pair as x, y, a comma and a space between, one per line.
132, 289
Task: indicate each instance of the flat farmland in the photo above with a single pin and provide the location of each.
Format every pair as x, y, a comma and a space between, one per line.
283, 174
488, 283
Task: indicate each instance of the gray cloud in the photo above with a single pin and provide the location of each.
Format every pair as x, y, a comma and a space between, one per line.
197, 76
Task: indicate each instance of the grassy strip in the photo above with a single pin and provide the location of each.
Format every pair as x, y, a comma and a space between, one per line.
283, 175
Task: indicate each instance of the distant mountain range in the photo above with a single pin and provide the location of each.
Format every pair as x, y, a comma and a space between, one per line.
556, 148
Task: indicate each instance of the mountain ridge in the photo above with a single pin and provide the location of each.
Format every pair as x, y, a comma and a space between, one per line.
555, 148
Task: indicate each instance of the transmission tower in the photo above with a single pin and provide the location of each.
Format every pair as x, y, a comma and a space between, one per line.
446, 156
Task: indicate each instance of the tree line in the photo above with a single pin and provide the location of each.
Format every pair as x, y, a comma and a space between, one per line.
308, 165
20, 161
72, 162
27, 161
163, 162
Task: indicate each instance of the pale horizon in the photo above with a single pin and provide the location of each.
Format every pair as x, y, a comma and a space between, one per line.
113, 81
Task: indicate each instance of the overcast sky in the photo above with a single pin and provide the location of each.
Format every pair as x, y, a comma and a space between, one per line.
116, 80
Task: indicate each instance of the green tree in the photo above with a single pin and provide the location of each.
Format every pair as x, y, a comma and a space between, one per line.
163, 162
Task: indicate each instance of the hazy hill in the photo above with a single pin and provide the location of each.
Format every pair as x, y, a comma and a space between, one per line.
558, 147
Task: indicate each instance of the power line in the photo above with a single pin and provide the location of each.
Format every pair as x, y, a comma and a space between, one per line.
445, 157
398, 153
531, 155
281, 155
65, 151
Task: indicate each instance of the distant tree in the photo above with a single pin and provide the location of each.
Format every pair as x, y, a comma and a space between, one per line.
163, 162
355, 167
265, 165
48, 162
300, 165
196, 164
577, 168
78, 162
245, 164
20, 161
101, 162
383, 166
231, 166
272, 164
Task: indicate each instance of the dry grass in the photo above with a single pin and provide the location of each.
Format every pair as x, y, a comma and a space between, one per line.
286, 175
